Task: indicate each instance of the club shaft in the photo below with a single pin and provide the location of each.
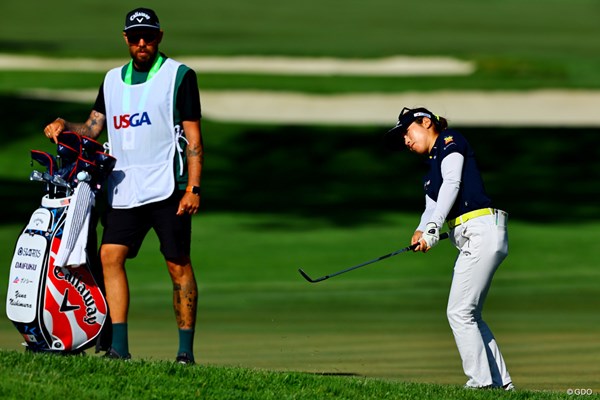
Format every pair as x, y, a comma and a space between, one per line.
411, 247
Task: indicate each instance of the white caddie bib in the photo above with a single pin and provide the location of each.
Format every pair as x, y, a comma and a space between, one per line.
142, 137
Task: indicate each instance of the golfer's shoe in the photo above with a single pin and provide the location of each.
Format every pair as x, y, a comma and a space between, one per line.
469, 387
185, 359
113, 355
509, 387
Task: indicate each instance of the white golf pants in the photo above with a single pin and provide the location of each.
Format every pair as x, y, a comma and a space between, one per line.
483, 244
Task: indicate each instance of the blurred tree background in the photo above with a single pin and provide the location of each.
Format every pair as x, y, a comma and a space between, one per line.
344, 173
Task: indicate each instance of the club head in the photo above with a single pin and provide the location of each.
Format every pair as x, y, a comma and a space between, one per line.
47, 177
36, 176
309, 279
59, 181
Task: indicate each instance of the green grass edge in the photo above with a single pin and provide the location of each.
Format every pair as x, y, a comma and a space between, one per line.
26, 375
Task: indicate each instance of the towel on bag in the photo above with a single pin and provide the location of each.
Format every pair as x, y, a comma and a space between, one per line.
74, 241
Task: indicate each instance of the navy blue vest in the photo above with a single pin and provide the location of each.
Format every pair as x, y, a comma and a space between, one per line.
472, 195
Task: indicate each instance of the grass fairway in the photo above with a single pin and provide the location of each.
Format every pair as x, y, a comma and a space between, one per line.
386, 320
91, 378
334, 201
316, 27
511, 48
282, 197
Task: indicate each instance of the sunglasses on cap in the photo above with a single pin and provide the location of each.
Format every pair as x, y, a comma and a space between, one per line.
135, 37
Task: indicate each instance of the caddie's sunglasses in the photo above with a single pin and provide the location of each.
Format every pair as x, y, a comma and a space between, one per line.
135, 37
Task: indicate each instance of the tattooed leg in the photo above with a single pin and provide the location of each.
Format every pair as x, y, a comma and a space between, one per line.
185, 293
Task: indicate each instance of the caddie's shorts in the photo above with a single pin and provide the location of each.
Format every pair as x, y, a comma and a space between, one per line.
130, 226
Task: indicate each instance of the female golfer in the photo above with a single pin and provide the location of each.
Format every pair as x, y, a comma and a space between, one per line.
454, 193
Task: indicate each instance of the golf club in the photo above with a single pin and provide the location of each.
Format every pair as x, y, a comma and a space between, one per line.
36, 176
60, 182
411, 247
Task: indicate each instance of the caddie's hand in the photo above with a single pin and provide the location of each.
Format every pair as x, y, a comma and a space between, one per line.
189, 204
55, 128
430, 237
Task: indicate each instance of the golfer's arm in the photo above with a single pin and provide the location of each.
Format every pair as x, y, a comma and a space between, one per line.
452, 167
90, 128
195, 151
426, 216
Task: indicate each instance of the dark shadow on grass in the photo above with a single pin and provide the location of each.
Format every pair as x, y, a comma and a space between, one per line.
28, 46
20, 199
343, 175
334, 373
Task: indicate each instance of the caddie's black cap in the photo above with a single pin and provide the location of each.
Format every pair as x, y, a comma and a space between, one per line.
141, 18
394, 138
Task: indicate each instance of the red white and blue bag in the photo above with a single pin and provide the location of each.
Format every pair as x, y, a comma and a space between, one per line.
54, 308
53, 298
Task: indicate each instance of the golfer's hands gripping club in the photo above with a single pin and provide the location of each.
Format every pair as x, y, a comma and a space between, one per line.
426, 240
54, 128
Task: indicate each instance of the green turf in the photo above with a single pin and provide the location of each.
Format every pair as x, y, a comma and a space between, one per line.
282, 197
386, 320
515, 44
383, 27
332, 200
91, 378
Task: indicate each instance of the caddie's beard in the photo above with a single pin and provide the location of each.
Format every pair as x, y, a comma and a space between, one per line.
143, 59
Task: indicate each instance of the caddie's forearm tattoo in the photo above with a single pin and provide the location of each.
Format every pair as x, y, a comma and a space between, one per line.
195, 151
91, 128
96, 121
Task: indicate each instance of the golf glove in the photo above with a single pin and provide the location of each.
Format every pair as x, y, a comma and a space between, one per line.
431, 236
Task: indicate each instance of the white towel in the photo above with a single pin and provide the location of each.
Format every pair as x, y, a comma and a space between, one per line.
74, 240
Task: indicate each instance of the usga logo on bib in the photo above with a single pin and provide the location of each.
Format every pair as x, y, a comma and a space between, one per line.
133, 120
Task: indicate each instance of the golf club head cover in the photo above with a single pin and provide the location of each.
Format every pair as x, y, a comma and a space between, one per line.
67, 154
69, 172
90, 147
71, 139
45, 159
87, 165
105, 163
93, 171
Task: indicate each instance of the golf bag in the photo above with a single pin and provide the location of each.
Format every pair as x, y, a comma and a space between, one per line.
54, 298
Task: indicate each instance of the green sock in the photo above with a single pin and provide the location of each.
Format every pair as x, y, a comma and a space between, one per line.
120, 342
186, 342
